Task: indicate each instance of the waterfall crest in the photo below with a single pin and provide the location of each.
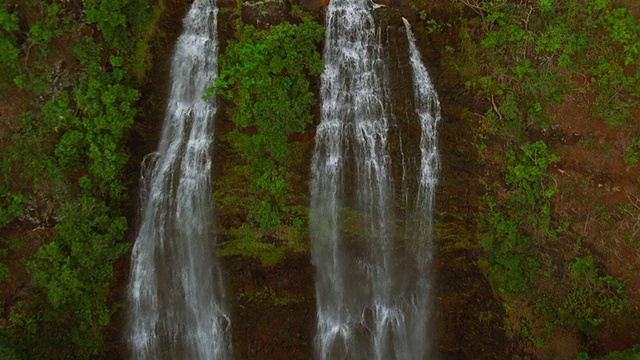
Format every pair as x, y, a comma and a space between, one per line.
175, 292
370, 246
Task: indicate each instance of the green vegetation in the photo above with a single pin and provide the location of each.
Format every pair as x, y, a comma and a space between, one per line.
71, 72
558, 43
265, 296
9, 51
265, 74
632, 152
63, 173
523, 61
73, 69
632, 354
510, 248
593, 297
118, 20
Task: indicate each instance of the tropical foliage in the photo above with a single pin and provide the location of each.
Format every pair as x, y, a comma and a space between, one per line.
63, 169
266, 75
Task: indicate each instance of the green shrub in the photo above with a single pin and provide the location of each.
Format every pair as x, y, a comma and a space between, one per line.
120, 21
66, 162
9, 50
75, 270
265, 75
593, 298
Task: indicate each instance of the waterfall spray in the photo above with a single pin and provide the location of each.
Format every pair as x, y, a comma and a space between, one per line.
372, 269
175, 293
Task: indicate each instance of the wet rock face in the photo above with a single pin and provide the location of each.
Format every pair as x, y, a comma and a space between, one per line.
264, 13
313, 5
273, 308
460, 291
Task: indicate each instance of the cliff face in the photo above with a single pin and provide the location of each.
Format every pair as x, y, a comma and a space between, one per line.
537, 209
273, 307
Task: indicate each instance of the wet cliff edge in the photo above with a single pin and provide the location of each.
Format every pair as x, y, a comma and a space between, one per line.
273, 308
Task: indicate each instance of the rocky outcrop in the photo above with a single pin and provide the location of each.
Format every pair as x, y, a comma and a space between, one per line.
264, 13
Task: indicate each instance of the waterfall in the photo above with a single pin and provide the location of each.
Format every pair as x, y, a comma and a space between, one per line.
370, 246
427, 108
175, 292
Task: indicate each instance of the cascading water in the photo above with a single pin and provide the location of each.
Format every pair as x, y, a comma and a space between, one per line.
175, 293
370, 246
427, 108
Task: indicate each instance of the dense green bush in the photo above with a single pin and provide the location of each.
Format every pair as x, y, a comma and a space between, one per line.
266, 74
64, 171
118, 20
75, 270
593, 297
8, 49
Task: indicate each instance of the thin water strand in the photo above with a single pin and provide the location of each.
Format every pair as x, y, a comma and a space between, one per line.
427, 109
176, 307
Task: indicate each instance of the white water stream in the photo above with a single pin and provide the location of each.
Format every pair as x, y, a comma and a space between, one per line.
371, 248
176, 308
